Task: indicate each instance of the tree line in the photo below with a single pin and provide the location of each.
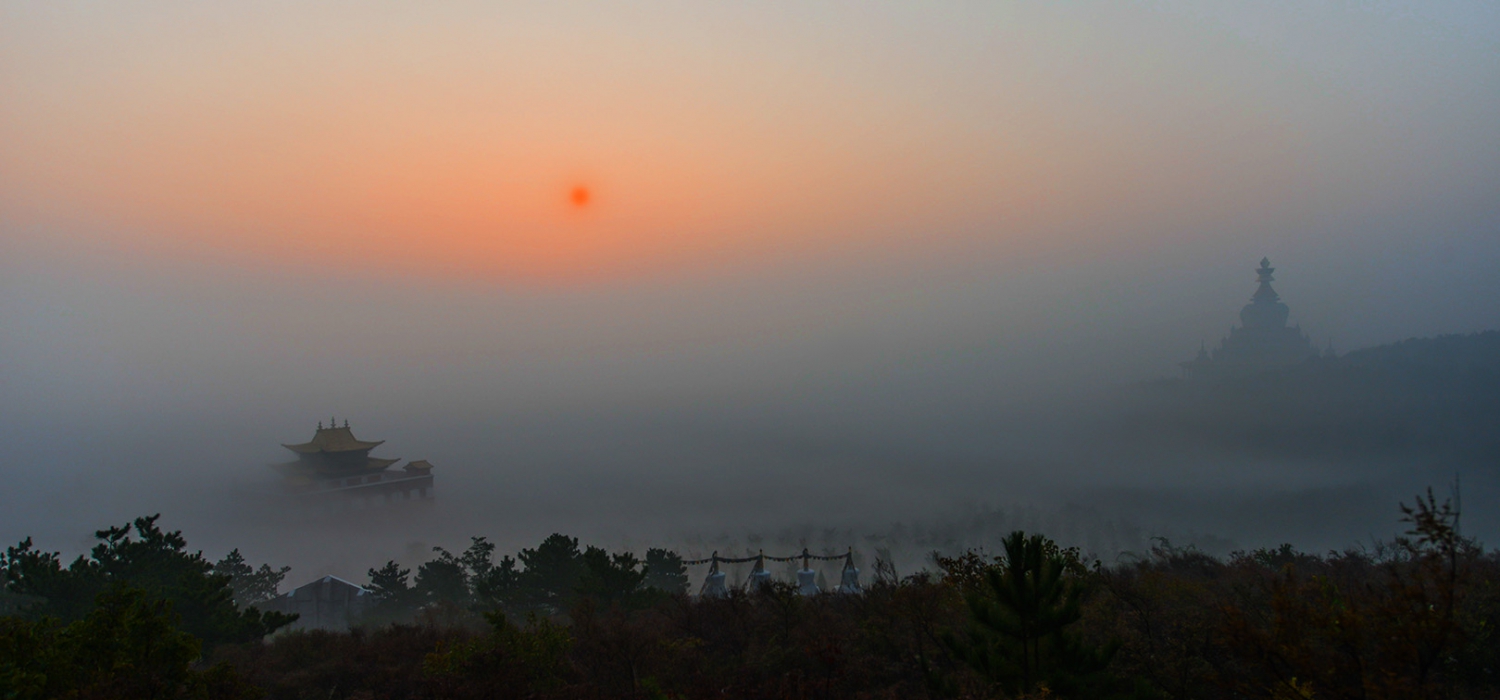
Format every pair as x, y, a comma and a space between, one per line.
548, 579
140, 616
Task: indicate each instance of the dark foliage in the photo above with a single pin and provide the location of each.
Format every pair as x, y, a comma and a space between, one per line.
665, 572
1412, 618
250, 586
460, 589
444, 579
155, 562
1429, 398
386, 662
1409, 619
1023, 609
609, 578
127, 646
510, 662
552, 573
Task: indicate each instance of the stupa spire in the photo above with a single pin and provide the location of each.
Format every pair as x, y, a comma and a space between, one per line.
1265, 309
1264, 293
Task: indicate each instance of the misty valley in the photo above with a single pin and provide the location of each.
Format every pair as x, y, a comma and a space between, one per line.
1026, 601
663, 350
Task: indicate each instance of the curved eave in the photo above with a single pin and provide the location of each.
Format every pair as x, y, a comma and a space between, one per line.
375, 465
300, 468
308, 448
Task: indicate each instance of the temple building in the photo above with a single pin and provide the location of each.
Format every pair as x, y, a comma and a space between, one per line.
336, 466
329, 603
1262, 341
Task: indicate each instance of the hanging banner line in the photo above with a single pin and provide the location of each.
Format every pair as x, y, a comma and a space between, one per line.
805, 555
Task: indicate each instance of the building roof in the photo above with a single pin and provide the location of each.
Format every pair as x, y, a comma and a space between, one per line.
335, 579
375, 464
370, 465
333, 440
419, 465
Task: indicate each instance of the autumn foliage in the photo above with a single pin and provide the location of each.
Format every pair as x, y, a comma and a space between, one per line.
1411, 618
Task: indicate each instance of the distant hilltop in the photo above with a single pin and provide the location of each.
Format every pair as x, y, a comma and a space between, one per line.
1454, 354
1266, 343
1437, 398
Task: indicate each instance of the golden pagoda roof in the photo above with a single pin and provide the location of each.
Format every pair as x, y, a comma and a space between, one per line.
333, 439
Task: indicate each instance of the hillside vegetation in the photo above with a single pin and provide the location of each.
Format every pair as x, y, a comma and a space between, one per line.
1436, 398
1412, 618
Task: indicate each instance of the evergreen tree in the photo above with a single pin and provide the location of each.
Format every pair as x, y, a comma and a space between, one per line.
389, 582
665, 571
127, 646
1020, 613
153, 561
610, 578
251, 586
552, 572
490, 586
443, 579
498, 587
395, 599
479, 558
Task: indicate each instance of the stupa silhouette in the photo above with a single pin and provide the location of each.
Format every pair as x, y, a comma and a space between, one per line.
1262, 341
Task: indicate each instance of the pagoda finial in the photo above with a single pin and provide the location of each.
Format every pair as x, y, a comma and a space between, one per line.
1263, 273
346, 422
1264, 293
332, 423
320, 425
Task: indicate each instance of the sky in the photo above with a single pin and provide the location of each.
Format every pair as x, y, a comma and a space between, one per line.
749, 255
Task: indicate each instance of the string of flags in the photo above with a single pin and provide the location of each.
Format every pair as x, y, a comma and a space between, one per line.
714, 585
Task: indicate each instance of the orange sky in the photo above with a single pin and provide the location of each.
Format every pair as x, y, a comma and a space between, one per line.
449, 141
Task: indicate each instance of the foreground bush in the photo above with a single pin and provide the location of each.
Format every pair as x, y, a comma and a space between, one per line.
127, 647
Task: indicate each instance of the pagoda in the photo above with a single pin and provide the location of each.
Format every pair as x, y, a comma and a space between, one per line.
336, 463
1262, 341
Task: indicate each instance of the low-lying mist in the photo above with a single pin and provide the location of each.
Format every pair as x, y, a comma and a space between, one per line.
698, 478
885, 410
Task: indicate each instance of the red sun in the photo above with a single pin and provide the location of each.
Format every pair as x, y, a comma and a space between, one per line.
579, 196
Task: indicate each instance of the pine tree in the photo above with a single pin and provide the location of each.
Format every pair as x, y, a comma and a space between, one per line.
1020, 611
251, 586
665, 571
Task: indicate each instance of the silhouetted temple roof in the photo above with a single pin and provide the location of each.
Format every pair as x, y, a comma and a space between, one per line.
333, 440
376, 463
